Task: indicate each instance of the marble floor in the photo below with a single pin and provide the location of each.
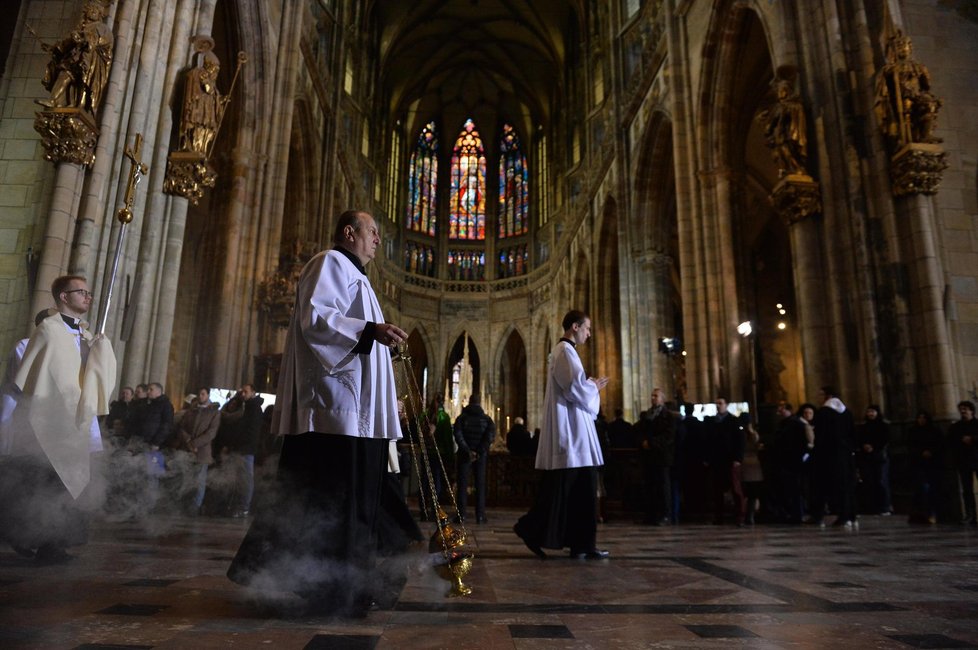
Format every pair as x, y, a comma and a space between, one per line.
161, 584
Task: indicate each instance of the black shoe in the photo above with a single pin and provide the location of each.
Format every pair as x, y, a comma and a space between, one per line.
534, 548
593, 554
22, 551
239, 514
482, 520
52, 555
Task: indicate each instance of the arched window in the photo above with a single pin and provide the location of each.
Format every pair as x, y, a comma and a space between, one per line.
467, 210
423, 182
513, 181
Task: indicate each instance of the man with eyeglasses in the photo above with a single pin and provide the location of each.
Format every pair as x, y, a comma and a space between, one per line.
66, 378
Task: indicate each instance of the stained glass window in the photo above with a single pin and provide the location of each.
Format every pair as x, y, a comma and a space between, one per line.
466, 265
513, 261
423, 182
513, 181
467, 210
420, 259
394, 176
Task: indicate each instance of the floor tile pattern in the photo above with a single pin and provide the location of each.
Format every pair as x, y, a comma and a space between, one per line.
161, 584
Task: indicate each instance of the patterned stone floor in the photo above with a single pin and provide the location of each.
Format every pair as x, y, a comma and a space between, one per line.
162, 585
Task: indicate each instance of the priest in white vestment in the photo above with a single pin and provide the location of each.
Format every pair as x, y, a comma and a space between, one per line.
337, 408
65, 379
564, 514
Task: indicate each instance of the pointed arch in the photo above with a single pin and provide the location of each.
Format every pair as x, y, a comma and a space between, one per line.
511, 377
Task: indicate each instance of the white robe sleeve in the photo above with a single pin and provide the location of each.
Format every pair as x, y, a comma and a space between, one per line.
577, 390
328, 327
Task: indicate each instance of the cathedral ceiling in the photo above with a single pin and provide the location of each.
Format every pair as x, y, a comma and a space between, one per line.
455, 57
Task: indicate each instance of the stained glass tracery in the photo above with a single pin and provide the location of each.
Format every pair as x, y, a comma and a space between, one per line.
513, 177
423, 182
467, 209
466, 265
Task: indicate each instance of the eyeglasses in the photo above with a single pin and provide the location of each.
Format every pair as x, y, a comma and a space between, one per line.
84, 292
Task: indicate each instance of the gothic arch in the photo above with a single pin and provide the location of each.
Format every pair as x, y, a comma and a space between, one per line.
746, 245
455, 353
510, 385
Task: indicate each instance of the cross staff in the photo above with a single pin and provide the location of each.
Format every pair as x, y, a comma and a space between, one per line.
137, 169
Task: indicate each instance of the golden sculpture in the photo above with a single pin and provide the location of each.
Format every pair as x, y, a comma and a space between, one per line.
797, 194
67, 135
785, 129
79, 67
905, 106
203, 104
187, 170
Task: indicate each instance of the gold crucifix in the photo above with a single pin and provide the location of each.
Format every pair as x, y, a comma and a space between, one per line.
136, 170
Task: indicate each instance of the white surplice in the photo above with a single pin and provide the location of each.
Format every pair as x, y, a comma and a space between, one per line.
568, 437
66, 378
324, 385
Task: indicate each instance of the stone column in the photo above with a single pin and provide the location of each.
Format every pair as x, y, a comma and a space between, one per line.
59, 232
96, 200
148, 92
930, 342
173, 210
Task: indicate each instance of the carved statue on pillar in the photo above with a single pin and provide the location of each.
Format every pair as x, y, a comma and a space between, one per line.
76, 77
796, 195
907, 113
187, 170
905, 106
203, 104
785, 129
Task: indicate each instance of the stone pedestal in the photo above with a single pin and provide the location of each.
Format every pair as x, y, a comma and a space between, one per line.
68, 135
796, 197
916, 169
187, 174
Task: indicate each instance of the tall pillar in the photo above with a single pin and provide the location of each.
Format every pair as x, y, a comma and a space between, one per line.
148, 93
931, 341
59, 233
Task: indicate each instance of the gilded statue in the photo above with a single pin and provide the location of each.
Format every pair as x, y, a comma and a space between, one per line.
79, 67
905, 106
203, 104
785, 129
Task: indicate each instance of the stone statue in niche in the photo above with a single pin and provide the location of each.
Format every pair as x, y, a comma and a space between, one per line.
905, 106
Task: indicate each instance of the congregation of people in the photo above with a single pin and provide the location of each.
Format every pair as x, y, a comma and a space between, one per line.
340, 449
818, 464
161, 459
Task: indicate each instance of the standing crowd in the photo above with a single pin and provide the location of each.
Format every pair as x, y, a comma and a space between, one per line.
818, 461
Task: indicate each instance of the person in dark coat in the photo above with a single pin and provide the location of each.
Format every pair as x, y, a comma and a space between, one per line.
474, 433
242, 443
657, 440
962, 437
873, 461
925, 445
835, 471
725, 441
620, 435
518, 440
153, 422
790, 451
